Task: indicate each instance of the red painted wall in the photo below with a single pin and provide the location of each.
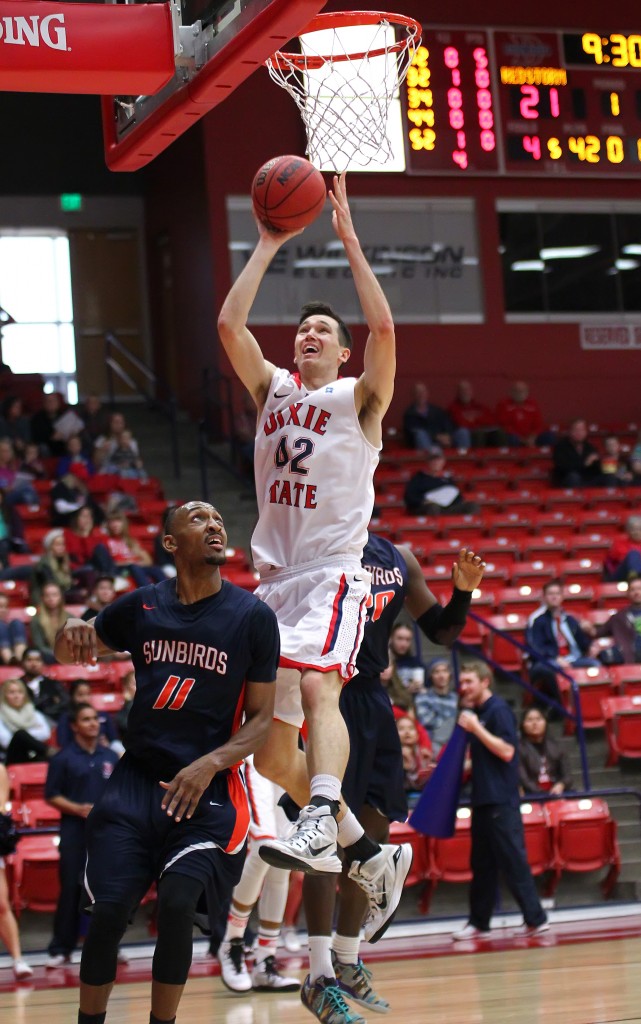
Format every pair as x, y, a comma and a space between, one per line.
259, 120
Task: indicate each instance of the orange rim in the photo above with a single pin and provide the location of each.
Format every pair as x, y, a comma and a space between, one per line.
348, 19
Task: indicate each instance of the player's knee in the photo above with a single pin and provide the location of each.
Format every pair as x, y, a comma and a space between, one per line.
320, 693
177, 900
106, 928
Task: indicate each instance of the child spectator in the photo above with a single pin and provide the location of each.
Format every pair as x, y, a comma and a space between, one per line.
614, 466
124, 460
623, 560
75, 461
417, 755
437, 705
13, 635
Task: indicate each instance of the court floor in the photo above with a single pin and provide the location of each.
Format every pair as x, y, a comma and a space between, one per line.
556, 982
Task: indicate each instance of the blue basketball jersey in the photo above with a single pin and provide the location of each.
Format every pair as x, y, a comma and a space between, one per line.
191, 663
389, 586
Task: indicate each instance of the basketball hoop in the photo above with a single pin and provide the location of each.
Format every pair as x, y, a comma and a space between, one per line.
343, 94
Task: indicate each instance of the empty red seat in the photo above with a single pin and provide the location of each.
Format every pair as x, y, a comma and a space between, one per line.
611, 595
27, 781
626, 679
622, 727
595, 685
450, 858
35, 883
584, 838
538, 837
523, 600
534, 573
499, 647
581, 570
38, 814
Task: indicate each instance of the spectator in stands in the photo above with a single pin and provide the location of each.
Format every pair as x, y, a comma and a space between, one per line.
50, 616
623, 560
24, 731
107, 443
407, 665
102, 594
401, 698
68, 495
11, 530
75, 461
8, 924
417, 754
128, 685
558, 638
520, 419
95, 421
13, 635
614, 466
76, 780
124, 460
426, 426
624, 626
53, 567
32, 466
17, 490
48, 695
14, 424
575, 461
468, 414
498, 844
44, 430
435, 492
542, 760
85, 545
437, 704
80, 692
128, 555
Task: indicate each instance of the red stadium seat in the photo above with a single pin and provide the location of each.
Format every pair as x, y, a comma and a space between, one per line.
35, 883
581, 570
450, 858
626, 679
534, 574
538, 837
595, 685
499, 648
38, 814
401, 832
27, 781
546, 545
585, 839
523, 600
611, 595
594, 544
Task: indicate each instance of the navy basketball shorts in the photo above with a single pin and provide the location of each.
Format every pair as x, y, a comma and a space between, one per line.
374, 773
132, 842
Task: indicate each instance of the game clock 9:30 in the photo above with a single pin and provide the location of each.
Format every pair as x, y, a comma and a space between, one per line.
615, 50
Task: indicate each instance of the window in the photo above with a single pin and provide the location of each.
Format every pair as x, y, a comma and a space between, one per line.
35, 289
560, 262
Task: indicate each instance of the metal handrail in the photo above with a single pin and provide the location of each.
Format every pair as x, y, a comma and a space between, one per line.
168, 409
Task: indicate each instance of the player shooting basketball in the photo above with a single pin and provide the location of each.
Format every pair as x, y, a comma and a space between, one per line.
317, 445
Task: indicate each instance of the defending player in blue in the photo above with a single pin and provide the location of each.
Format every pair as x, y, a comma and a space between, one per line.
175, 809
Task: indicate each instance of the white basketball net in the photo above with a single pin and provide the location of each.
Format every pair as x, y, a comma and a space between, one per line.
343, 92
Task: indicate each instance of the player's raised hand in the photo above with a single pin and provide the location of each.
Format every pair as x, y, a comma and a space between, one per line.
186, 788
341, 216
467, 571
76, 643
273, 238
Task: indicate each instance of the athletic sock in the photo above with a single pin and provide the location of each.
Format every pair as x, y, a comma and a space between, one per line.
266, 943
328, 786
320, 957
346, 948
363, 849
91, 1018
236, 924
350, 829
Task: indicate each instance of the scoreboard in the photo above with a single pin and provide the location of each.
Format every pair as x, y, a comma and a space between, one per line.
524, 102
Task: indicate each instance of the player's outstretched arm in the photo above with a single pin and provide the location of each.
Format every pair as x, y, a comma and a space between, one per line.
376, 386
442, 625
185, 790
239, 343
77, 643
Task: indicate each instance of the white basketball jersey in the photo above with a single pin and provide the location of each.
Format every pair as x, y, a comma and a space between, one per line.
314, 473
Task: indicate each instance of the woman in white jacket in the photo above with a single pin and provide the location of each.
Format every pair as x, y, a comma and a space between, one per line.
24, 732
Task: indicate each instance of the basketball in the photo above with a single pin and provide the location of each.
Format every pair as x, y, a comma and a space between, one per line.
288, 193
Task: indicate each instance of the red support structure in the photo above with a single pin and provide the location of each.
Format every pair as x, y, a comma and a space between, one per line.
85, 48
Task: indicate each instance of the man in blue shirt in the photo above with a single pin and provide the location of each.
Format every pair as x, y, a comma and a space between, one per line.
76, 780
175, 811
498, 843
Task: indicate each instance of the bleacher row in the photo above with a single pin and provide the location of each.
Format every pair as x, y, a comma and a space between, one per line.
576, 835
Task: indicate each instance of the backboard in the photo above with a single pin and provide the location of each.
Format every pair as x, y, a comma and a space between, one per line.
218, 44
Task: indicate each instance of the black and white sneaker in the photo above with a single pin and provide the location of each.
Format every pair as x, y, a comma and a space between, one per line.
310, 848
382, 878
233, 969
267, 978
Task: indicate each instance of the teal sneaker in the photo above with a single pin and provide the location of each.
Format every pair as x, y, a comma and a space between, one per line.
325, 1000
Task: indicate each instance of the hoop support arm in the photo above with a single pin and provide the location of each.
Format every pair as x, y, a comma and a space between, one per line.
85, 48
236, 60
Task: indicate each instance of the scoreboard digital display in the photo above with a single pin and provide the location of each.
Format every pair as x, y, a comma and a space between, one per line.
522, 102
